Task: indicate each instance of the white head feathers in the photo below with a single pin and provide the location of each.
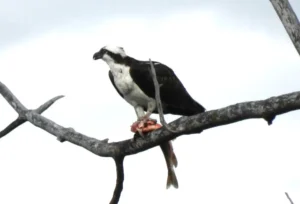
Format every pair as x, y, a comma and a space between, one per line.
116, 50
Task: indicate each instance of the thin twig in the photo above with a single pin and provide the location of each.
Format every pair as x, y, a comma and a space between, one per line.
16, 123
20, 120
287, 195
158, 100
120, 178
46, 105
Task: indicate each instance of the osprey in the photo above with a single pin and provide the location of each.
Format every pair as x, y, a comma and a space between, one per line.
133, 81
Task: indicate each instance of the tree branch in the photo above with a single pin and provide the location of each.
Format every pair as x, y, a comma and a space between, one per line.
157, 98
20, 120
287, 195
184, 125
289, 20
120, 178
13, 125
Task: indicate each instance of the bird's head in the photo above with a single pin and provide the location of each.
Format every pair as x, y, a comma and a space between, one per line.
111, 54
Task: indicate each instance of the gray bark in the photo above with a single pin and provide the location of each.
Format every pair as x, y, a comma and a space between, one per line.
266, 109
184, 125
20, 120
289, 20
120, 178
157, 97
288, 197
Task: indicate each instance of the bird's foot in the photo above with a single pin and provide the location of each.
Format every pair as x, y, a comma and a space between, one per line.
145, 125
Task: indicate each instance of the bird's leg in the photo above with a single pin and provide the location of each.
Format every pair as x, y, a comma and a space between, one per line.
145, 123
135, 127
146, 118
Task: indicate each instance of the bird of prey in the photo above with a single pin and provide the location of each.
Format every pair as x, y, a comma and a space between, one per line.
133, 81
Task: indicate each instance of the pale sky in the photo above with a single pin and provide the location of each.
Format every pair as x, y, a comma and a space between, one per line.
224, 52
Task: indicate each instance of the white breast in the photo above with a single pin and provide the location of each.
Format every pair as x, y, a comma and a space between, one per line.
131, 92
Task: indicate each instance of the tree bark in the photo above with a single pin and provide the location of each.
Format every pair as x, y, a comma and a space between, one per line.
182, 126
268, 108
289, 20
289, 198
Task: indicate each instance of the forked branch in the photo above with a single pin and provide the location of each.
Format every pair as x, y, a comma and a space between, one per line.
20, 120
182, 126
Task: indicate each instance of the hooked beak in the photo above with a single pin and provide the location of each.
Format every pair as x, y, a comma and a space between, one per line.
99, 55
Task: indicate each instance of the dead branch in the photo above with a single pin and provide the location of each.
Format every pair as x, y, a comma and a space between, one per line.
289, 20
120, 178
157, 98
20, 120
182, 126
288, 197
13, 125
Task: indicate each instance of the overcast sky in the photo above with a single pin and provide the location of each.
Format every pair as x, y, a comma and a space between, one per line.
224, 52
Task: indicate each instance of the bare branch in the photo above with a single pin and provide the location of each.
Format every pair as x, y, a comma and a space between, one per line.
120, 178
61, 132
231, 114
273, 106
16, 123
12, 100
46, 105
184, 125
157, 98
95, 146
289, 20
20, 120
287, 195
